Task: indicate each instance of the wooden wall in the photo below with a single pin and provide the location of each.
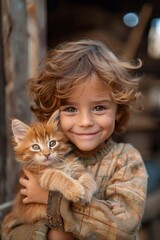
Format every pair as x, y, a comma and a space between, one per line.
22, 47
2, 118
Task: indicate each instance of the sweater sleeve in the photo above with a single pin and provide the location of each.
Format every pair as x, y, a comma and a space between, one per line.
118, 212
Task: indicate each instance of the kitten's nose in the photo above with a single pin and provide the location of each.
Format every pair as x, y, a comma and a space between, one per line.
46, 155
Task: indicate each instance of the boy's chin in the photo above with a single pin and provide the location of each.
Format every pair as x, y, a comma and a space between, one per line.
86, 147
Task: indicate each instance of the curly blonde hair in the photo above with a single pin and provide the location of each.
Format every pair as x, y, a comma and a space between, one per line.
69, 65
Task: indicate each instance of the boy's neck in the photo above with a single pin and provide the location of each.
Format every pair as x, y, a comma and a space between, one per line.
91, 157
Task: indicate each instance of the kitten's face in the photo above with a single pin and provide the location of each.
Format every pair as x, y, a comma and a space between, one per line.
40, 144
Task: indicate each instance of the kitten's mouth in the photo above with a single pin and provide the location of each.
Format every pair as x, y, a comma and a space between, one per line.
47, 161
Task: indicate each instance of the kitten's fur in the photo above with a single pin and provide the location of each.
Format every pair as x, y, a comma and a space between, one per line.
44, 150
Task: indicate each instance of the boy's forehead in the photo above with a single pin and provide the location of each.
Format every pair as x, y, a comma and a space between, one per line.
92, 81
92, 84
91, 88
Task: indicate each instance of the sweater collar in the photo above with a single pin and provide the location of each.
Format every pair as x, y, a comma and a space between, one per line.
91, 158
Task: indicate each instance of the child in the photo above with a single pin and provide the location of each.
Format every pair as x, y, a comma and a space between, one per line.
94, 91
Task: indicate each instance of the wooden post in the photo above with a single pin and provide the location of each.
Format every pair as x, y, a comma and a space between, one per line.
2, 117
135, 37
23, 50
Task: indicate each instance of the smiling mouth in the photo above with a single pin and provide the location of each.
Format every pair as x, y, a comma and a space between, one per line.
85, 134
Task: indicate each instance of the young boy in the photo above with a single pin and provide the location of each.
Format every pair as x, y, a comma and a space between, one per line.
94, 92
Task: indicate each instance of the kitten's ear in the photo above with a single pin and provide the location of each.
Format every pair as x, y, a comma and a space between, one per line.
55, 118
19, 129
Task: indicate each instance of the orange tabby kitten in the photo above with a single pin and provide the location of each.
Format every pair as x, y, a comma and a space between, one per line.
44, 150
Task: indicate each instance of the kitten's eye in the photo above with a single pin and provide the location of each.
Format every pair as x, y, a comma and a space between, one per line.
36, 147
52, 143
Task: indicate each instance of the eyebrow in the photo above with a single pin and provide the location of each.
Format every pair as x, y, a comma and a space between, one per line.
65, 102
102, 101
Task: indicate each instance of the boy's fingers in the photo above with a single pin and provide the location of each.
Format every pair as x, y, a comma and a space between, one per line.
23, 182
23, 191
25, 200
27, 173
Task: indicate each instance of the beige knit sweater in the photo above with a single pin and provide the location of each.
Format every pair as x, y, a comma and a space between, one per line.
117, 208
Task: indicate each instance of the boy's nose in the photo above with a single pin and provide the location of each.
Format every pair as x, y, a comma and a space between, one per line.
85, 119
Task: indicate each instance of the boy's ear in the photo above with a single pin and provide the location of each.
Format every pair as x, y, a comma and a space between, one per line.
55, 119
19, 129
118, 116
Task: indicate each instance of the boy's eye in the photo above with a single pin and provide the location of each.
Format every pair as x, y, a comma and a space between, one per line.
99, 108
35, 147
52, 143
70, 109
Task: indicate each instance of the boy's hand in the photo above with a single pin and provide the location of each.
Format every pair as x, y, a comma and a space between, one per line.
31, 190
58, 235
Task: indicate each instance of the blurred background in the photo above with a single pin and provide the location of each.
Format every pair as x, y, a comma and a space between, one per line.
131, 29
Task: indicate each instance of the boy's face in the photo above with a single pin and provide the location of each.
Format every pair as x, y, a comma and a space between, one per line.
88, 116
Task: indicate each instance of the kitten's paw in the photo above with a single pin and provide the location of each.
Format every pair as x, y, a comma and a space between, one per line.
75, 193
88, 194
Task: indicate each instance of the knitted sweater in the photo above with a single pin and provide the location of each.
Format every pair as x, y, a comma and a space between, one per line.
116, 209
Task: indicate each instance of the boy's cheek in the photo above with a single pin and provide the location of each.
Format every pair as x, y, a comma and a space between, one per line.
64, 125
